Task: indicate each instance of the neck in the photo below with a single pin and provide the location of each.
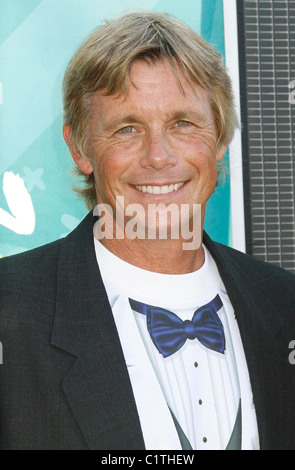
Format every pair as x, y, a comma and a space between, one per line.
167, 256
160, 256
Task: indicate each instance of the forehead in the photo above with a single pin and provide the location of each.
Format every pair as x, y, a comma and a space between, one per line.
154, 88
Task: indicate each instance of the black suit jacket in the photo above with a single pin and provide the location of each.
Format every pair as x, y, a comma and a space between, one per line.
64, 383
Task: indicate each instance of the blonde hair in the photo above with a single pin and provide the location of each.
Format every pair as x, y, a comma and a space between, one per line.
103, 63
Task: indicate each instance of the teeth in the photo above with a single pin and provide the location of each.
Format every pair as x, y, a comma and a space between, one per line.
160, 189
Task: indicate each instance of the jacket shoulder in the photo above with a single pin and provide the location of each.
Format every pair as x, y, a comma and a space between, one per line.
31, 272
264, 283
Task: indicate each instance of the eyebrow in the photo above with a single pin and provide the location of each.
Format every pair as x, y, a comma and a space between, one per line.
189, 115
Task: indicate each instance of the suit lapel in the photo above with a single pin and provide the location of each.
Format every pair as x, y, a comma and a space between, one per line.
259, 325
97, 387
240, 281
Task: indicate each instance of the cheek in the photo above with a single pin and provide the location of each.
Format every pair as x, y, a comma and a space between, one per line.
111, 166
207, 143
204, 160
201, 147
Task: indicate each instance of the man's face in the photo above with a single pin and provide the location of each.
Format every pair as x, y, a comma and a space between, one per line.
158, 144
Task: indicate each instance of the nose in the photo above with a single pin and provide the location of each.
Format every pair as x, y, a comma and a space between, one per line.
157, 153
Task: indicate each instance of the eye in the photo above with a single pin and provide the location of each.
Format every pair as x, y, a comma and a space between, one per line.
126, 130
182, 123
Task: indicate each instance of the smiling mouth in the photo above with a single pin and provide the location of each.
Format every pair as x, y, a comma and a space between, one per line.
165, 189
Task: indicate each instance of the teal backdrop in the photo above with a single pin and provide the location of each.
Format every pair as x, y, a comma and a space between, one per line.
37, 40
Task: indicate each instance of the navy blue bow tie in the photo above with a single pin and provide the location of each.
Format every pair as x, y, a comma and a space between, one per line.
169, 332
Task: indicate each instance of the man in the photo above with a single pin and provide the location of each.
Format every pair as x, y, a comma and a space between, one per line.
118, 337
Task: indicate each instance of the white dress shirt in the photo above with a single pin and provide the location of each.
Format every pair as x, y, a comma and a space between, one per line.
202, 387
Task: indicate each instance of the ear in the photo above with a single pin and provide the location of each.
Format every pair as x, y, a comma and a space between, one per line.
220, 152
84, 165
